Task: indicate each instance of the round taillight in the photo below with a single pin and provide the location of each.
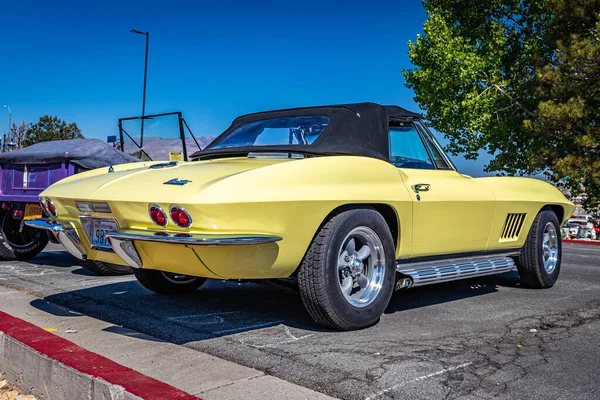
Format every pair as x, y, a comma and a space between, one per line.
157, 215
180, 217
43, 205
50, 207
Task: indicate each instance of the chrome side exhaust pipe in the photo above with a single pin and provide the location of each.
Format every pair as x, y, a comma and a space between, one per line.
403, 283
452, 269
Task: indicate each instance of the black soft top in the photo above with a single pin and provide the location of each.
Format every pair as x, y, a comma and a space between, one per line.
87, 153
354, 129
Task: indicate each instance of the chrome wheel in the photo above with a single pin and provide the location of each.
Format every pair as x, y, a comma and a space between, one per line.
361, 266
178, 279
550, 247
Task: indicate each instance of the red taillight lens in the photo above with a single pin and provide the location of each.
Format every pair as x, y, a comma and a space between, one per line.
6, 206
50, 207
181, 217
43, 205
157, 215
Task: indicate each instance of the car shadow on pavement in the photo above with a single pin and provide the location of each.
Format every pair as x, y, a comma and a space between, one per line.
451, 291
57, 259
60, 259
84, 272
54, 309
225, 308
217, 309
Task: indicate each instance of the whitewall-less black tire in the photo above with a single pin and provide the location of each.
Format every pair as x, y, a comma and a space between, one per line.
346, 278
540, 259
107, 269
167, 282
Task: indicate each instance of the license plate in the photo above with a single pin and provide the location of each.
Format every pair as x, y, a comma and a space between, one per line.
99, 228
32, 211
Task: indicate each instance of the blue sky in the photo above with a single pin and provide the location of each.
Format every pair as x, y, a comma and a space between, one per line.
212, 60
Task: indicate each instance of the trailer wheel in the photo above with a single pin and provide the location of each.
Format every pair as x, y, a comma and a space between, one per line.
18, 243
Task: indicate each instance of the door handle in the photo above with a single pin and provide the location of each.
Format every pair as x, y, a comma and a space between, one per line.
421, 187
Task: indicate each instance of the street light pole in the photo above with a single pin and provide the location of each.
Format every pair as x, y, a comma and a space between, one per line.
9, 123
145, 79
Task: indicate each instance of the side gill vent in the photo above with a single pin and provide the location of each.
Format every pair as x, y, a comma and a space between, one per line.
512, 227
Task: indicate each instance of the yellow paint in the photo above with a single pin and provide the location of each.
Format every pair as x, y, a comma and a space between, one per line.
291, 199
442, 222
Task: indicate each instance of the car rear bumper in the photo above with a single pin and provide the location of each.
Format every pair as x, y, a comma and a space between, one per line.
122, 242
66, 235
229, 256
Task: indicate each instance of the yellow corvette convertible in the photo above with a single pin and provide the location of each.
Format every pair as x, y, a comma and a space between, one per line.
349, 200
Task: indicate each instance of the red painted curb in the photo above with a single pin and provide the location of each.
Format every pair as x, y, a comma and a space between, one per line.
80, 359
579, 241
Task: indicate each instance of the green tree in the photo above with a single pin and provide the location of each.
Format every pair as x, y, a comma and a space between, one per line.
518, 79
50, 128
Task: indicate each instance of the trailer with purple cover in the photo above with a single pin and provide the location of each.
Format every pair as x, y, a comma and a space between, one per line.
25, 173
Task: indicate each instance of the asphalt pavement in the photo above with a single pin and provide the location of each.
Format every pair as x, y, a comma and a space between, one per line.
480, 338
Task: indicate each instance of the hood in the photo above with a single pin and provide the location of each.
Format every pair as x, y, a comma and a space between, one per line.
187, 179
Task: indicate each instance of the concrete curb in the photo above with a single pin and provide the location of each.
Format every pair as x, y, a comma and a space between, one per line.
581, 241
53, 368
177, 366
49, 379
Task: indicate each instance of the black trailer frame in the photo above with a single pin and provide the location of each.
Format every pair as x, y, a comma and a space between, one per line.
182, 123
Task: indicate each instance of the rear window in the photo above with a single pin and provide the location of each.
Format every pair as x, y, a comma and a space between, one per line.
275, 132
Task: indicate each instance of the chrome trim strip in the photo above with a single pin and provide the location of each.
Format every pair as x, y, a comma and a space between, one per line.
430, 272
96, 206
123, 242
65, 235
42, 223
194, 239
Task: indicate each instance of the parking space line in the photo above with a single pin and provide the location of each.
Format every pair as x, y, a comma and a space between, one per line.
296, 338
420, 378
273, 345
218, 314
292, 339
248, 327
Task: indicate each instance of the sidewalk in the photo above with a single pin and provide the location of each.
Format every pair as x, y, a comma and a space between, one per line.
152, 362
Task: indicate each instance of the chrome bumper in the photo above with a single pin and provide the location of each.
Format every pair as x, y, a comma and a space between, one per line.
122, 242
65, 235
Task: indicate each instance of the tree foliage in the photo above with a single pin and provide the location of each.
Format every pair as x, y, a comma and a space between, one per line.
17, 133
519, 79
50, 128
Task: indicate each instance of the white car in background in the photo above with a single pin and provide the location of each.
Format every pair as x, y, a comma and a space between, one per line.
580, 226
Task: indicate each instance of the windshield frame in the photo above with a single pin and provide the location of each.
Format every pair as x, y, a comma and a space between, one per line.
298, 136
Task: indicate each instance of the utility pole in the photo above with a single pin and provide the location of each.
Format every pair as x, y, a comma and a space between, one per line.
9, 124
145, 79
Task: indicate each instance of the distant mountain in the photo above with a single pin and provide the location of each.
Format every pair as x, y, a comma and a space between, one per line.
159, 148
